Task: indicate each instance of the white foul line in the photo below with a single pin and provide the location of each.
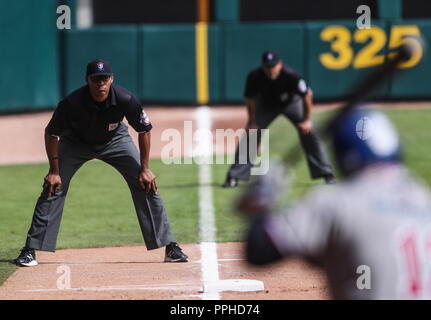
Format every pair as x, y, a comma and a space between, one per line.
209, 264
212, 285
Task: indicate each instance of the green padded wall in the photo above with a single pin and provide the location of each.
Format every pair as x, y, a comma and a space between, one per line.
167, 69
28, 55
116, 44
158, 62
216, 63
350, 63
415, 82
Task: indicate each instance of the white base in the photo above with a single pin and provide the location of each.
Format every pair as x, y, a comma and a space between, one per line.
240, 285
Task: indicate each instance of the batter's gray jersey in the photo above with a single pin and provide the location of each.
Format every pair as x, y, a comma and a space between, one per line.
372, 235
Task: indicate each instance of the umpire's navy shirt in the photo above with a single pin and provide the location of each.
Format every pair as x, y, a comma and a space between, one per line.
274, 93
80, 118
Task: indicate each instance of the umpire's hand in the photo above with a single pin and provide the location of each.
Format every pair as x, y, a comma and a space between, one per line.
52, 183
148, 181
305, 127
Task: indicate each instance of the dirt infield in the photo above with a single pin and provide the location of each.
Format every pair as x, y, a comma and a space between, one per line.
133, 272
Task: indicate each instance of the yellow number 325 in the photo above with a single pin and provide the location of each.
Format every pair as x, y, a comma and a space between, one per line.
342, 55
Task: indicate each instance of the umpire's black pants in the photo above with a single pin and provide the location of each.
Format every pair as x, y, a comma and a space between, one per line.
123, 155
318, 162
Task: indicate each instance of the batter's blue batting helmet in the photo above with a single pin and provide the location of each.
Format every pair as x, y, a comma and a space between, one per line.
362, 137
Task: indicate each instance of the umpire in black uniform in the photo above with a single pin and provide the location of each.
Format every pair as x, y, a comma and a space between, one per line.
273, 89
87, 125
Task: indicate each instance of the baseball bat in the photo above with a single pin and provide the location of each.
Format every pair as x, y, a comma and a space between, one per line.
261, 194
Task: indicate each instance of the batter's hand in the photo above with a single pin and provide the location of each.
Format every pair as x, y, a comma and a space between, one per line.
52, 183
148, 181
305, 126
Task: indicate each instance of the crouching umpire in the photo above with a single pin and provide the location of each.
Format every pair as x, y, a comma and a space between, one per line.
272, 89
87, 125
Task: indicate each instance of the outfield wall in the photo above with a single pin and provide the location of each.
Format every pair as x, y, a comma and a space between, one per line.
29, 53
159, 62
197, 63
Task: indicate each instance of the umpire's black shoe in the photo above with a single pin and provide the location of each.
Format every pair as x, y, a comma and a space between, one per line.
230, 182
330, 180
174, 253
27, 258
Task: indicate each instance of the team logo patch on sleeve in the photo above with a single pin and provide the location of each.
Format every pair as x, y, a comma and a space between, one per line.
302, 86
144, 118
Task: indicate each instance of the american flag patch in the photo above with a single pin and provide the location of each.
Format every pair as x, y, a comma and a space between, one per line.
112, 126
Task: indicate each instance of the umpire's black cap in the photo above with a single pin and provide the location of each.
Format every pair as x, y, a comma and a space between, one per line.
270, 58
99, 67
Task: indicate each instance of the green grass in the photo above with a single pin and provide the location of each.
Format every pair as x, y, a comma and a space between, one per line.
414, 128
229, 223
99, 209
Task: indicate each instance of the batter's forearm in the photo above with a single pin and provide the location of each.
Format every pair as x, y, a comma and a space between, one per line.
51, 147
144, 148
